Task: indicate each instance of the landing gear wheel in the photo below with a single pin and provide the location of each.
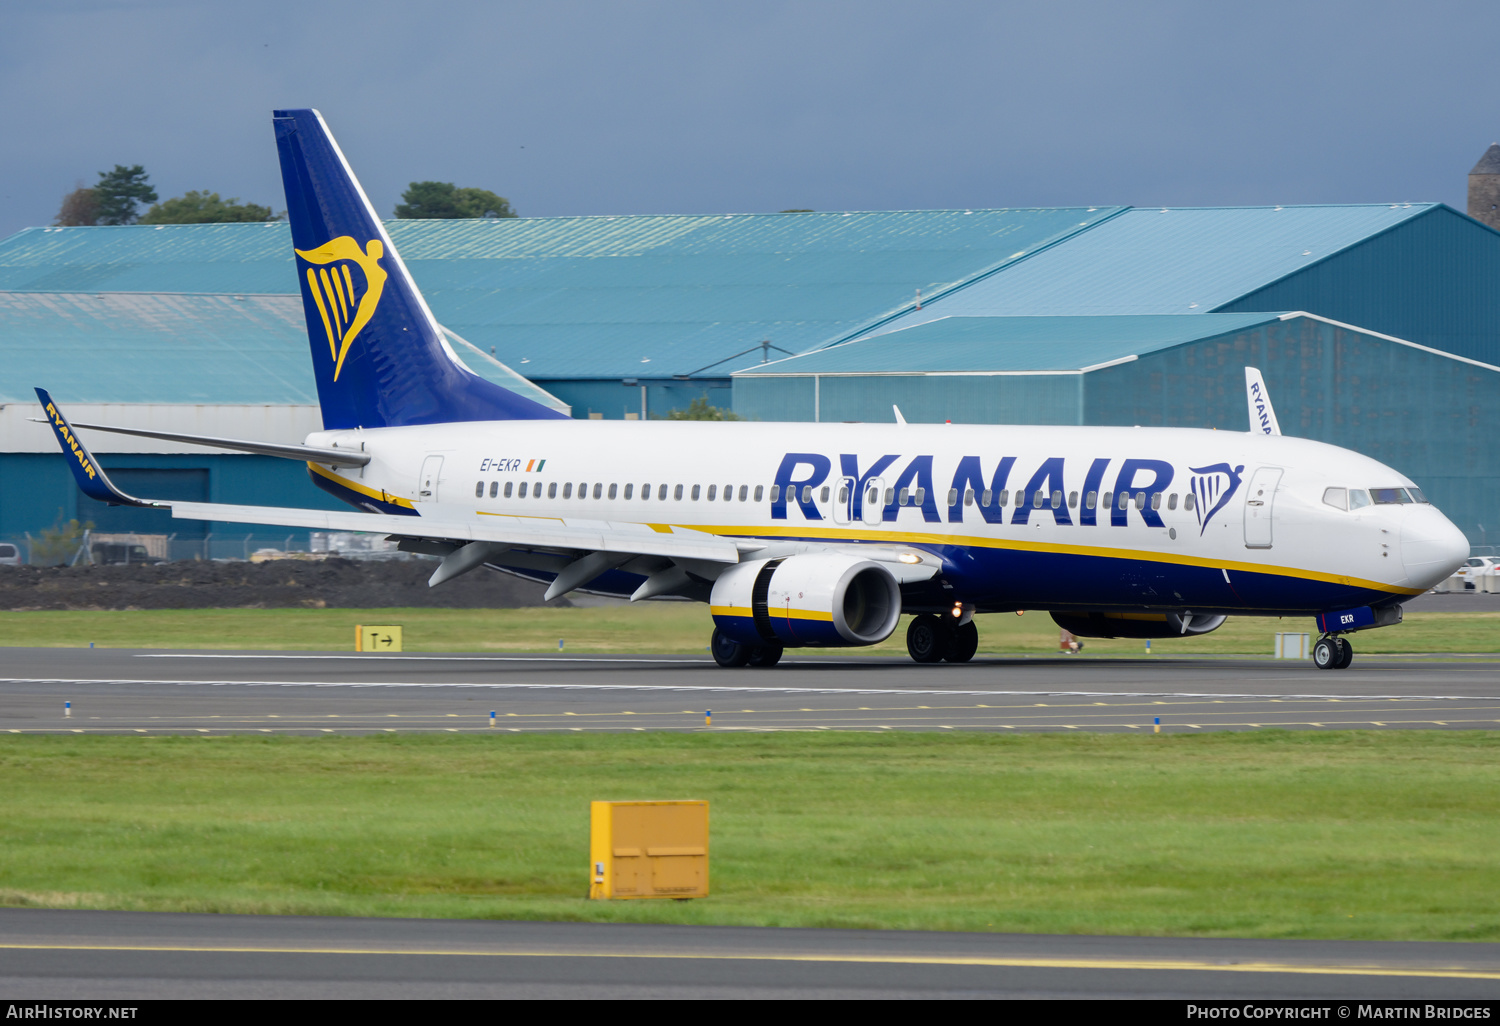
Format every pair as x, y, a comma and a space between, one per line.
1348, 654
965, 643
928, 639
1329, 654
765, 656
727, 652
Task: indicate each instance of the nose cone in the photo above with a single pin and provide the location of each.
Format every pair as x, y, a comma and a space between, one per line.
1431, 547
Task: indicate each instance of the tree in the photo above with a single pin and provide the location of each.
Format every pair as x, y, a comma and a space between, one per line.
81, 206
204, 208
445, 201
120, 191
699, 409
59, 543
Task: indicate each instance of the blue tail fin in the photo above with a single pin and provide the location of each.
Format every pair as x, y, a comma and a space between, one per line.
379, 357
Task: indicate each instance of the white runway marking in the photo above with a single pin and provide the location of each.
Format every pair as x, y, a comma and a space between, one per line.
763, 690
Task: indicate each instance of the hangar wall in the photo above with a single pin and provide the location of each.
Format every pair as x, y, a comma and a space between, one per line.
1431, 280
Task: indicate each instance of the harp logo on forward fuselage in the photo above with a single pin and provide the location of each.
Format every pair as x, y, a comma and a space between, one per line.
345, 305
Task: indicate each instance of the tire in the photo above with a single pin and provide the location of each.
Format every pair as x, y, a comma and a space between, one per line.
1326, 654
1348, 656
928, 639
728, 653
765, 656
965, 643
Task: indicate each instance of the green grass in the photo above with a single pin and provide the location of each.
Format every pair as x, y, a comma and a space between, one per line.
1273, 834
654, 627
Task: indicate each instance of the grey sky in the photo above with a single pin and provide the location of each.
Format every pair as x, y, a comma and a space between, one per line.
687, 107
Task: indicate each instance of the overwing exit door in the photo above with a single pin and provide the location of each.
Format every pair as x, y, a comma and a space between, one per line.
1259, 503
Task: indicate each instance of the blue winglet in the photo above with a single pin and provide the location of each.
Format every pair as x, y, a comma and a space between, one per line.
90, 476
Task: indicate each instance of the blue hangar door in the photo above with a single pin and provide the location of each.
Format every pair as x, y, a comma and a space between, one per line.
189, 485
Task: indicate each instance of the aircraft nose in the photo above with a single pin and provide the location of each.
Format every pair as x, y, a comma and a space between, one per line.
1431, 546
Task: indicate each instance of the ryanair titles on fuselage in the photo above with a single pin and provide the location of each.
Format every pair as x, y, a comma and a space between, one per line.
1044, 492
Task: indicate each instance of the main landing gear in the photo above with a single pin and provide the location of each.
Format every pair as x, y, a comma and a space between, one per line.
932, 639
1332, 653
730, 653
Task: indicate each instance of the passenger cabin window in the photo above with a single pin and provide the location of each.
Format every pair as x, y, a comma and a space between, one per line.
536, 490
985, 497
1056, 499
1003, 497
612, 490
645, 492
1338, 498
552, 490
1189, 502
822, 495
1156, 500
494, 488
629, 489
1107, 501
598, 489
744, 491
508, 486
1072, 500
677, 493
713, 493
890, 495
661, 493
807, 493
479, 490
953, 496
1172, 501
568, 490
523, 489
968, 496
758, 493
1090, 500
695, 493
1358, 498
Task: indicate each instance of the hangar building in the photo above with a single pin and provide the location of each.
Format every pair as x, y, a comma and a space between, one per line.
1377, 327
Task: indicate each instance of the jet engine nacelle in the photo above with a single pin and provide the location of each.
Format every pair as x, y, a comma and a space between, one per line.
818, 600
1137, 625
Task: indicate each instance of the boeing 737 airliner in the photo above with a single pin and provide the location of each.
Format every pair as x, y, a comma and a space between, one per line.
808, 534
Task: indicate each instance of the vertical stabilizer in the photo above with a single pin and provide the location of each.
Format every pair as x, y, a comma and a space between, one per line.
378, 355
1262, 415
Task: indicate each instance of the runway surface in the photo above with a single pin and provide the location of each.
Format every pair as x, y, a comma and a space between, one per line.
124, 691
130, 955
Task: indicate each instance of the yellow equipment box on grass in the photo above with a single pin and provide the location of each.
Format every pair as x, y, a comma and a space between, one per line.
648, 850
377, 639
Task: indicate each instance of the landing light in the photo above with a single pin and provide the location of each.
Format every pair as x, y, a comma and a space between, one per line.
958, 609
909, 557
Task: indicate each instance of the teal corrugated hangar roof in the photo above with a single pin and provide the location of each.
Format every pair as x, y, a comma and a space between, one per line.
1189, 260
979, 345
595, 297
131, 347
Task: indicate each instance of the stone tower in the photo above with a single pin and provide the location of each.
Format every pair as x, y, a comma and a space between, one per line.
1484, 188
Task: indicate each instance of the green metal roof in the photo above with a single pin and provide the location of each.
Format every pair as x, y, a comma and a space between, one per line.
978, 345
593, 297
124, 347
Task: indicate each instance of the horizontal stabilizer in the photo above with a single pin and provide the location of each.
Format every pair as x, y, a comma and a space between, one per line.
304, 453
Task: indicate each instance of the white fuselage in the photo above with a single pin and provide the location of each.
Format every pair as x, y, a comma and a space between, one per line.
1022, 517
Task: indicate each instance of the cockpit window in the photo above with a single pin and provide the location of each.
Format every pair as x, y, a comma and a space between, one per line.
1358, 498
1338, 498
1417, 496
1389, 496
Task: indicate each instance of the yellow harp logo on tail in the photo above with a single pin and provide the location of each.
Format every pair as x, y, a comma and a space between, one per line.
345, 309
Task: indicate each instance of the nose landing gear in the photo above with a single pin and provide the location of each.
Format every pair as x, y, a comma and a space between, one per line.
1332, 653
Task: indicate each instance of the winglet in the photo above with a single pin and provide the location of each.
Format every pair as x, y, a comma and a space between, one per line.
897, 411
1262, 415
90, 476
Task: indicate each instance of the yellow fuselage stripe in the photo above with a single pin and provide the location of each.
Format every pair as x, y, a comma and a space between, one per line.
353, 486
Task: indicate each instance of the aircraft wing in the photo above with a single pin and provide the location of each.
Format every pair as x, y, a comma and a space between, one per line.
528, 532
